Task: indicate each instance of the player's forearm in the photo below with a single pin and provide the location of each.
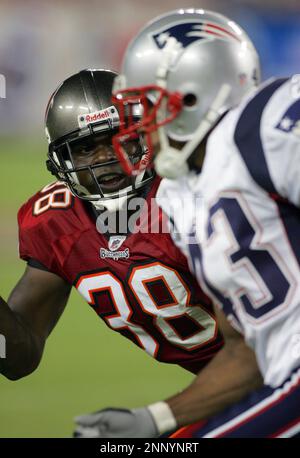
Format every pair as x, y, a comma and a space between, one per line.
23, 349
230, 376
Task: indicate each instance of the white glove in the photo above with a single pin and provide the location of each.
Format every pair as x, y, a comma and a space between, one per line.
146, 422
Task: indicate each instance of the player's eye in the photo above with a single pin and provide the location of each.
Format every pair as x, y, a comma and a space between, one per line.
83, 150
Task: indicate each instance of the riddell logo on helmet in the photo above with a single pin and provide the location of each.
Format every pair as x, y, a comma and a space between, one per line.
97, 116
84, 120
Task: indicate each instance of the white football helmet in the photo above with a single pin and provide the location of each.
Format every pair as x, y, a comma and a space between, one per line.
187, 68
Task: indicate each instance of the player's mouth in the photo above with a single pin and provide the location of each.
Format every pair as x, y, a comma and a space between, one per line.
112, 182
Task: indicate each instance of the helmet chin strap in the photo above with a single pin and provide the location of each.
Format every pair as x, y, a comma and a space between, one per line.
113, 202
112, 205
171, 162
118, 203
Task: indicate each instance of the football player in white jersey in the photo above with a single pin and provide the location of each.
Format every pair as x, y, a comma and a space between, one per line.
217, 137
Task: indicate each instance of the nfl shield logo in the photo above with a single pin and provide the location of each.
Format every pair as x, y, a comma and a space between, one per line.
115, 242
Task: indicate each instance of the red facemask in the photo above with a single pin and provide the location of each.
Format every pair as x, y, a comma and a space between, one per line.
130, 129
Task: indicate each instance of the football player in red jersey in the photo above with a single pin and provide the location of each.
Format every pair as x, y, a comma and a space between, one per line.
138, 282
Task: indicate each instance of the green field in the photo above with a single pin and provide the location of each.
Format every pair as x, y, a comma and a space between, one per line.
85, 366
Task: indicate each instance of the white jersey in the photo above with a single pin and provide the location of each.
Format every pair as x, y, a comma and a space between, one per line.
247, 253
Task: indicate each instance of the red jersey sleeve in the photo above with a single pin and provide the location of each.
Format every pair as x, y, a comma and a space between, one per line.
36, 235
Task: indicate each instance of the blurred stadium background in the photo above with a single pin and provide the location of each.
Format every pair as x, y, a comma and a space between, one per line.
85, 365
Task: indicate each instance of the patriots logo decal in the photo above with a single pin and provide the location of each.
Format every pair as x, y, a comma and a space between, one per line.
187, 33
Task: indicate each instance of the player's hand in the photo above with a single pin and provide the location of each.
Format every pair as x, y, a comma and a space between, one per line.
110, 423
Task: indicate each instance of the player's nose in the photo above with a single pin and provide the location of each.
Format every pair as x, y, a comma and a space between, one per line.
104, 154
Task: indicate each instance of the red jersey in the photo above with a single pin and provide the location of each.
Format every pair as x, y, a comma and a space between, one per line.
139, 284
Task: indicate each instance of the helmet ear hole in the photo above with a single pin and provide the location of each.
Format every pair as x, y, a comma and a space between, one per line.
189, 100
